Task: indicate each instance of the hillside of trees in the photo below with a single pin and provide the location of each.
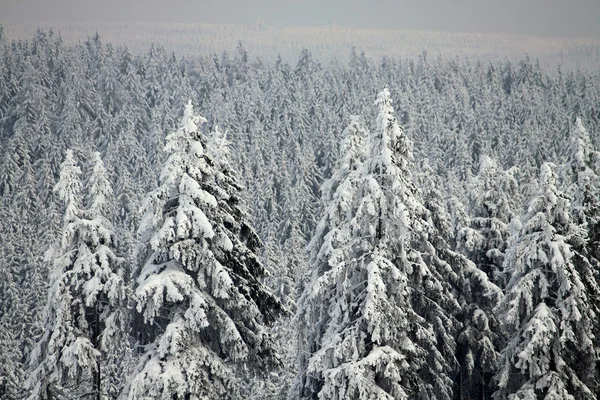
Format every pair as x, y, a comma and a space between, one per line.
229, 227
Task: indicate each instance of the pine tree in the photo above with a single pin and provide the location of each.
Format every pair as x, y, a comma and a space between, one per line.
477, 340
418, 248
550, 352
203, 306
329, 250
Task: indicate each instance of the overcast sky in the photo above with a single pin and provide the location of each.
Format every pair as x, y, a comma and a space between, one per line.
532, 17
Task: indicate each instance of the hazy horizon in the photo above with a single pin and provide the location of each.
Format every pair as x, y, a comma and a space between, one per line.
546, 18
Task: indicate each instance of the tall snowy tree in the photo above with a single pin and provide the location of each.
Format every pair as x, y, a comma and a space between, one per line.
110, 315
582, 167
85, 287
329, 250
364, 319
477, 341
584, 186
550, 352
198, 289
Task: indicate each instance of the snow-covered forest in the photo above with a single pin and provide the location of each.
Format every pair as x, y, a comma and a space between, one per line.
229, 227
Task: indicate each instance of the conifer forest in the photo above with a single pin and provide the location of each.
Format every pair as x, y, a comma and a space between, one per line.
232, 226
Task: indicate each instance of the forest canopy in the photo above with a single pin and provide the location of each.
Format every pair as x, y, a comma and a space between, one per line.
232, 227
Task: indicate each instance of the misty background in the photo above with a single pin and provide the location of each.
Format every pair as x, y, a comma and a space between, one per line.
555, 18
549, 31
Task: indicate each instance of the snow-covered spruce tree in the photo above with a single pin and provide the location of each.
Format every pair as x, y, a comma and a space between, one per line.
85, 288
415, 246
493, 203
217, 148
360, 334
477, 341
198, 288
584, 187
331, 290
110, 313
549, 353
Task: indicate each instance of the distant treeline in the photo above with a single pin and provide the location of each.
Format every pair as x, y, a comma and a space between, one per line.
326, 43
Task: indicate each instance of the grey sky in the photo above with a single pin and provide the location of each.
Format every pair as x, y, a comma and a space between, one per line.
531, 17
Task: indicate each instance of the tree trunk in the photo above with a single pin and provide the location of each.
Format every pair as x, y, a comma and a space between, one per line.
97, 373
97, 381
48, 392
379, 221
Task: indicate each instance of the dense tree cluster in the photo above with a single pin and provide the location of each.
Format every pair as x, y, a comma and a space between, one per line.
366, 230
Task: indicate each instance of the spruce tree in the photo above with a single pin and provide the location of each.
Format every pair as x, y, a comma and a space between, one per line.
85, 286
550, 352
374, 320
198, 290
493, 203
584, 187
477, 338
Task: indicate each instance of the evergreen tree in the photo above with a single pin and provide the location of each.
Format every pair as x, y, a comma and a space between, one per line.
493, 203
111, 317
329, 250
585, 208
584, 186
198, 289
84, 287
11, 316
375, 310
550, 352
